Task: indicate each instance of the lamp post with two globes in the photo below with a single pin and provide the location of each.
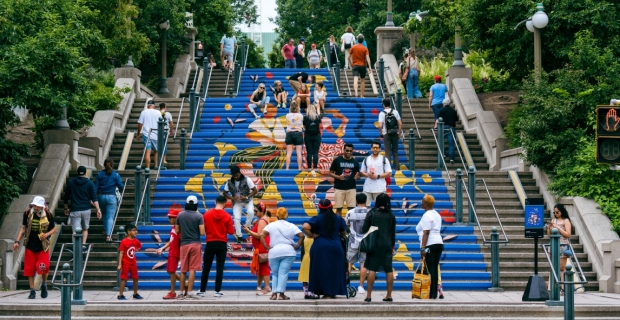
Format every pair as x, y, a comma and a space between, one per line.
536, 22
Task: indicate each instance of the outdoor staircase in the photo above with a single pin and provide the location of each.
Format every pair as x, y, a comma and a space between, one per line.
346, 84
220, 81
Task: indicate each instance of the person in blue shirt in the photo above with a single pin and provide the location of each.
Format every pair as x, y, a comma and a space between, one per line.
364, 42
106, 183
436, 96
227, 50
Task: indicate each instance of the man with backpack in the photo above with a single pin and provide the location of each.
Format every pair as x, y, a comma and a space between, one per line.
376, 169
390, 127
299, 53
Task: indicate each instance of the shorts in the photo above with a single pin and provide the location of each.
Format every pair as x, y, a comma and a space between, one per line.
371, 196
354, 255
126, 269
80, 219
227, 56
294, 138
359, 71
347, 196
36, 262
152, 143
191, 257
173, 264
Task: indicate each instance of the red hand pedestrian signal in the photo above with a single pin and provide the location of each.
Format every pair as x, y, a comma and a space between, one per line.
608, 134
612, 121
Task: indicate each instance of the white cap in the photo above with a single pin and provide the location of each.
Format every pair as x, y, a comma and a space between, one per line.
192, 199
38, 201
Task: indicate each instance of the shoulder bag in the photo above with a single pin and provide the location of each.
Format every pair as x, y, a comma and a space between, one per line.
421, 285
369, 241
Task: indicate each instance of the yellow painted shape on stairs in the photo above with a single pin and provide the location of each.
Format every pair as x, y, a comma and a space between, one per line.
376, 124
401, 179
300, 179
427, 178
402, 255
224, 147
227, 106
195, 185
271, 193
209, 165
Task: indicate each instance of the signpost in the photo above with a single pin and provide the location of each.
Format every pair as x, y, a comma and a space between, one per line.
536, 289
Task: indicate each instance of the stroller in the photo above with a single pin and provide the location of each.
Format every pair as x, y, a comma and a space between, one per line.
351, 290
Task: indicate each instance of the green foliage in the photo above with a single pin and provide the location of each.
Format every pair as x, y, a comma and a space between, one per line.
274, 58
580, 175
12, 171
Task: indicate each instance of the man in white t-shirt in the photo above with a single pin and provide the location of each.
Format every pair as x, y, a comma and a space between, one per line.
147, 126
375, 168
240, 190
390, 131
355, 221
169, 126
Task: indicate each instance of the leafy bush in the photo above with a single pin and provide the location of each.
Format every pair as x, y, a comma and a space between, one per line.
12, 170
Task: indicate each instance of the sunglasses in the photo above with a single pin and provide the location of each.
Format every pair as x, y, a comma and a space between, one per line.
261, 87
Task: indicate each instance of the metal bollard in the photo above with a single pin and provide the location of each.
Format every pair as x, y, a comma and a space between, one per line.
121, 236
569, 293
554, 287
399, 102
243, 57
183, 138
230, 92
337, 78
381, 77
495, 261
192, 106
65, 293
237, 76
440, 145
205, 67
161, 143
146, 217
196, 128
471, 185
328, 53
137, 192
77, 267
459, 197
411, 150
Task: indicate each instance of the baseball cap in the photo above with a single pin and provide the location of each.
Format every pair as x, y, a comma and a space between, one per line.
192, 200
314, 45
81, 170
302, 39
151, 102
38, 201
437, 77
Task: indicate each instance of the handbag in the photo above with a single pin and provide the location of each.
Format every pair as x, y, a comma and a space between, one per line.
567, 252
369, 242
263, 257
421, 284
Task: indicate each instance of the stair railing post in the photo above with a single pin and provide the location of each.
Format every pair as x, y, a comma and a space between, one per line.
495, 261
399, 102
381, 76
120, 237
205, 67
471, 185
137, 192
440, 144
161, 142
77, 267
243, 57
569, 293
197, 106
338, 77
554, 287
237, 76
65, 293
411, 150
146, 217
328, 54
192, 106
459, 196
183, 137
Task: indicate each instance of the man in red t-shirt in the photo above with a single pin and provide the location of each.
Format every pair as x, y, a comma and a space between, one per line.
218, 224
127, 261
174, 253
287, 54
358, 56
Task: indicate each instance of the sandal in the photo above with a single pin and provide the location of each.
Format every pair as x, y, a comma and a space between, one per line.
273, 297
263, 292
312, 296
283, 297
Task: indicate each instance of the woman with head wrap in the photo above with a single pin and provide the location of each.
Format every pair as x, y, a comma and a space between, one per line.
327, 267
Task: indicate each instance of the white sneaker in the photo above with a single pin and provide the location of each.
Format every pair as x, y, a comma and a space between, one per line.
192, 296
361, 290
257, 116
218, 294
201, 294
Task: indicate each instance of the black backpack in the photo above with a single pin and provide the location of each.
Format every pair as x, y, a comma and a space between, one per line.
313, 128
295, 52
391, 123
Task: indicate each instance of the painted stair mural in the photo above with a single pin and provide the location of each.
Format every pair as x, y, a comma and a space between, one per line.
229, 134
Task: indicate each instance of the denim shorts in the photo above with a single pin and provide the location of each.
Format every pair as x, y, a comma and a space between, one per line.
294, 138
152, 143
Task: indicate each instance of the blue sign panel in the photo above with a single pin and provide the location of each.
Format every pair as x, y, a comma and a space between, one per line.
534, 221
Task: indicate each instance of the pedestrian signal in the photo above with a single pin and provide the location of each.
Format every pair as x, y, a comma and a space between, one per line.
608, 134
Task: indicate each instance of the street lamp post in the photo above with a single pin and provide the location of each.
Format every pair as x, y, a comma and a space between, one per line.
389, 22
536, 22
163, 87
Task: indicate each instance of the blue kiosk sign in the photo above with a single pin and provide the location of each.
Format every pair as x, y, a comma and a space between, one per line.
534, 220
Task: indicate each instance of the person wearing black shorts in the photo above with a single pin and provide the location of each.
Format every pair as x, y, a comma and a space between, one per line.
294, 135
358, 58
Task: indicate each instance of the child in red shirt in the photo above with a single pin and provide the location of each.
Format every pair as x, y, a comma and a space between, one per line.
174, 253
127, 261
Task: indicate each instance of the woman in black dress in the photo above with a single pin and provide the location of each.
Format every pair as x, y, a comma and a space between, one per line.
381, 260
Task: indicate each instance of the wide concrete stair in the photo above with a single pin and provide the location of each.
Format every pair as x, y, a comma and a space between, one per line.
347, 84
219, 83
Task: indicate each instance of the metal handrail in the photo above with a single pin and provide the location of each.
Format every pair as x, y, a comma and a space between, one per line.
144, 190
195, 77
581, 275
247, 51
346, 77
148, 140
118, 208
458, 148
442, 155
206, 89
333, 69
229, 73
415, 123
85, 263
191, 134
494, 209
178, 118
484, 240
161, 154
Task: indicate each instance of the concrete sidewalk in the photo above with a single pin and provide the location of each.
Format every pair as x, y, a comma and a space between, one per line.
250, 297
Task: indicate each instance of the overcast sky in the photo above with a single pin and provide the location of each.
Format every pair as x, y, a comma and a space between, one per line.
267, 11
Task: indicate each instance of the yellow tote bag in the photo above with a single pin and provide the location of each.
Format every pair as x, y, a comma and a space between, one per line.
421, 285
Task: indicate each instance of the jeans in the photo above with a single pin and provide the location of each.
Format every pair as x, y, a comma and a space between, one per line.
391, 149
107, 204
312, 150
413, 88
436, 108
449, 133
289, 64
279, 270
237, 208
432, 261
263, 103
218, 250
